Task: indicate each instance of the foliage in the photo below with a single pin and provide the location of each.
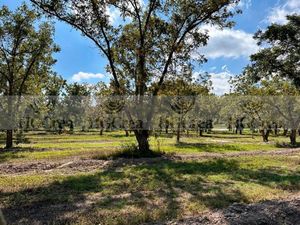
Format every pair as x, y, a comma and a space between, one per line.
281, 55
145, 49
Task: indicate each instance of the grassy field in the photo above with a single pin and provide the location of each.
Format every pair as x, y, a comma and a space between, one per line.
50, 146
135, 191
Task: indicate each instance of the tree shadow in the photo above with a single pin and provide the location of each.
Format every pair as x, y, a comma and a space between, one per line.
209, 147
6, 155
228, 136
132, 193
286, 145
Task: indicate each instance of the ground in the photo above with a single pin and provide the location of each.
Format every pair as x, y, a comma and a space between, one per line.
220, 178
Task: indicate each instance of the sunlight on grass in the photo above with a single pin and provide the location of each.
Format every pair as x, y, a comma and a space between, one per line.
176, 189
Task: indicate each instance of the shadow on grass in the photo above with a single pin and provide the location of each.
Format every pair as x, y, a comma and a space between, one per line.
209, 147
135, 194
286, 145
228, 136
6, 155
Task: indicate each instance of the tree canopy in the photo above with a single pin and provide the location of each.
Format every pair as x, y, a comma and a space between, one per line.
281, 53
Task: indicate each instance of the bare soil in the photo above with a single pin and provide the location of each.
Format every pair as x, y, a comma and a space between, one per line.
78, 164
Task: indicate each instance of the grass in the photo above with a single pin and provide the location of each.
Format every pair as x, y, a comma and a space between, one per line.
135, 192
168, 189
53, 146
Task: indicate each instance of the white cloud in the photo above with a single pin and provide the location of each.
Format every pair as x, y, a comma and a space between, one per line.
86, 76
114, 15
245, 4
280, 11
228, 43
220, 82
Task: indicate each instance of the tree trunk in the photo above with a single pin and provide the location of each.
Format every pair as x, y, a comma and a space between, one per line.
265, 134
9, 139
142, 137
9, 132
201, 132
293, 137
178, 132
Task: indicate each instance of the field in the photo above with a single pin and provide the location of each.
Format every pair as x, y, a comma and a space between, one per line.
73, 179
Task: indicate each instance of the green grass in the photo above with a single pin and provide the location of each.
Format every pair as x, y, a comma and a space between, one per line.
157, 191
134, 193
53, 146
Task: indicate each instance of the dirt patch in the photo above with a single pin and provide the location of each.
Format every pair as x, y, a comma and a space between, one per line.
275, 212
67, 166
22, 168
77, 164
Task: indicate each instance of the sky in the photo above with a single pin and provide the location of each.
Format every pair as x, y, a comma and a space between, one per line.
227, 51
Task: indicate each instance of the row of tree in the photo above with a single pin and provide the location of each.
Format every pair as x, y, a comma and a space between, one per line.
151, 53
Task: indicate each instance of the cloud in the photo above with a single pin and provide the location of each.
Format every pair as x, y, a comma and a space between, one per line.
220, 82
280, 11
245, 4
114, 15
228, 43
86, 76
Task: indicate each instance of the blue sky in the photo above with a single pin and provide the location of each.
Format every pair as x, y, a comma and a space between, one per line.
227, 51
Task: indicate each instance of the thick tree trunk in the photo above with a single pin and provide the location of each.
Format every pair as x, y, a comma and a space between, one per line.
142, 138
293, 137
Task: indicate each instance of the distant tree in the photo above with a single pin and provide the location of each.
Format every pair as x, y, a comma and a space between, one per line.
273, 100
76, 102
53, 90
153, 36
25, 57
182, 92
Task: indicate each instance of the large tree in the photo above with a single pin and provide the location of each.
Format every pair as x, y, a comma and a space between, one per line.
143, 49
26, 48
281, 57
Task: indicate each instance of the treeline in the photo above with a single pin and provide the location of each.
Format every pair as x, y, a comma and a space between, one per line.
151, 59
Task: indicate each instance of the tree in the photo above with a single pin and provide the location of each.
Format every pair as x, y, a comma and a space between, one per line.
181, 94
76, 102
273, 100
53, 90
141, 50
25, 57
282, 56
